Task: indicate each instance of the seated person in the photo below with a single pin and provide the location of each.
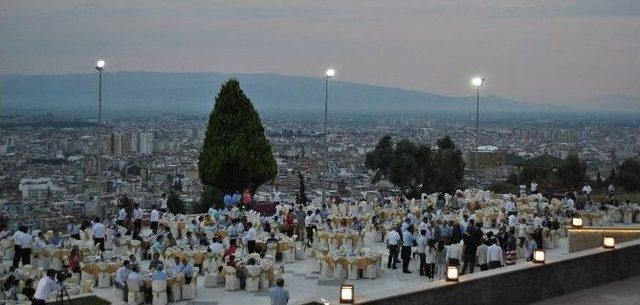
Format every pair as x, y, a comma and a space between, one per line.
188, 270
272, 238
216, 246
159, 274
158, 247
155, 262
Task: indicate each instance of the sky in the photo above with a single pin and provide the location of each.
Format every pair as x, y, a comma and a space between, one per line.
543, 51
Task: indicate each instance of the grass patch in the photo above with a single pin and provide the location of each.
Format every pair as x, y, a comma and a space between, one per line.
88, 300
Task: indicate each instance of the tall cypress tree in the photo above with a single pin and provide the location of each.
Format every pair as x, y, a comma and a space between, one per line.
235, 153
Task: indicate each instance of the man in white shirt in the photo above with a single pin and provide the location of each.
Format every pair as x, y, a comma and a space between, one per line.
121, 279
586, 189
122, 216
45, 287
534, 188
99, 232
513, 221
309, 222
73, 230
570, 204
494, 255
154, 217
134, 276
22, 247
250, 237
216, 246
393, 242
137, 220
537, 221
163, 203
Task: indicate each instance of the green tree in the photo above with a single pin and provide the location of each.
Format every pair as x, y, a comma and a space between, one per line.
235, 153
209, 197
628, 174
175, 205
572, 172
380, 158
417, 169
302, 191
449, 166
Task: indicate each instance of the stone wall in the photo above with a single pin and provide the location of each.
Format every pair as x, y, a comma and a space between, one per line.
591, 237
522, 283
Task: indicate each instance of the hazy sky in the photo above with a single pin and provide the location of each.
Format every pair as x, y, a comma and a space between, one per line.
538, 51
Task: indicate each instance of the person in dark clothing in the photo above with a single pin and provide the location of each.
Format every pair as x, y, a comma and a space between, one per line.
472, 240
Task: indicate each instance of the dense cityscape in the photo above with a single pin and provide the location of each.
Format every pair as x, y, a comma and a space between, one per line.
51, 171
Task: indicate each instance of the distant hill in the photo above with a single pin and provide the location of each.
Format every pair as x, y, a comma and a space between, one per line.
150, 93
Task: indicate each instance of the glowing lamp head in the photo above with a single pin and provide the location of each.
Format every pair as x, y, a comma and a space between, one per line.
100, 64
346, 294
609, 243
477, 81
331, 72
452, 274
538, 256
576, 222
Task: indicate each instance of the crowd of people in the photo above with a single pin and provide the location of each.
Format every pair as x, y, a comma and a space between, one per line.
436, 230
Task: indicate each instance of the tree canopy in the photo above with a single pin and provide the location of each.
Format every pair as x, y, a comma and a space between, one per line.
235, 154
415, 168
628, 174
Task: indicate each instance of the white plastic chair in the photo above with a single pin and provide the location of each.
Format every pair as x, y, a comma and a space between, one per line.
159, 292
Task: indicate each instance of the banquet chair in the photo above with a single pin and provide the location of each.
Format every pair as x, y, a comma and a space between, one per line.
272, 248
55, 262
627, 217
288, 255
278, 273
189, 290
135, 295
352, 270
231, 280
253, 278
339, 272
326, 270
88, 233
104, 279
264, 275
211, 275
371, 272
159, 292
176, 291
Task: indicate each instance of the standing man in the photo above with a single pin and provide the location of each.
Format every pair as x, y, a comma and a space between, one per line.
279, 295
73, 230
154, 218
22, 247
137, 222
407, 242
393, 241
300, 217
99, 231
250, 237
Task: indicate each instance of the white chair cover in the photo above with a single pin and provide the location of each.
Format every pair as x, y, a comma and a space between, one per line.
253, 278
159, 292
135, 296
231, 280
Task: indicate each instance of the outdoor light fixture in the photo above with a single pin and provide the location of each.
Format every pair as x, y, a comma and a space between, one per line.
346, 294
609, 243
452, 274
331, 72
538, 256
100, 64
576, 222
477, 81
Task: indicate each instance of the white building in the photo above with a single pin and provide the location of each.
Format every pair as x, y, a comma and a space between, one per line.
146, 143
40, 189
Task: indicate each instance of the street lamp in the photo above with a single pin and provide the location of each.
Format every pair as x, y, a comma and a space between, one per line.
477, 82
100, 64
329, 74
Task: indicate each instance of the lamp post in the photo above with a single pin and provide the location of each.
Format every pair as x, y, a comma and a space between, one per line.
329, 74
477, 82
100, 64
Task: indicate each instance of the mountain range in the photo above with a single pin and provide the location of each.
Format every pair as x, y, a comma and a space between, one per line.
151, 93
